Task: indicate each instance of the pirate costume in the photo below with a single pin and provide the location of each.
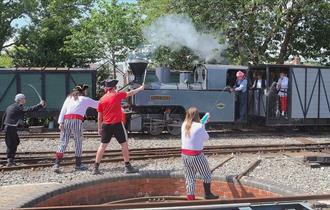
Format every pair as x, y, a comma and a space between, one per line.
13, 118
194, 160
113, 119
71, 118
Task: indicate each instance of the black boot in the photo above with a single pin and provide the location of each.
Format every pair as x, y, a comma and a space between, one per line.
56, 167
96, 170
79, 165
10, 162
207, 190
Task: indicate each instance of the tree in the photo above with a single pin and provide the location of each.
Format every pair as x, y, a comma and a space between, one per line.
109, 34
10, 11
316, 28
179, 60
262, 31
153, 9
40, 43
5, 61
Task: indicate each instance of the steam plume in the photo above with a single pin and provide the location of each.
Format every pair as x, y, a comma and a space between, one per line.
175, 31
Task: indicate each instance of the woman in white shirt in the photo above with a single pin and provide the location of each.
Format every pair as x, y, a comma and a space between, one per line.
193, 135
70, 122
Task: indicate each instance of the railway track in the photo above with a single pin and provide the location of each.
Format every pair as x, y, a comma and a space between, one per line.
28, 160
214, 132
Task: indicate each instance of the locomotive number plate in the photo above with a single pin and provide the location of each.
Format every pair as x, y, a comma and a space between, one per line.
220, 105
161, 98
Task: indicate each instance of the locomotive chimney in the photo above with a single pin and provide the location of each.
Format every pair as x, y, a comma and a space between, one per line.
138, 67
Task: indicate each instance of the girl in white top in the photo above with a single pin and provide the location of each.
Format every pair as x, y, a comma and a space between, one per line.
193, 136
282, 87
70, 121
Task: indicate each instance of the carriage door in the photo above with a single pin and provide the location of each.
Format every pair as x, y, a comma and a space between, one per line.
278, 95
257, 93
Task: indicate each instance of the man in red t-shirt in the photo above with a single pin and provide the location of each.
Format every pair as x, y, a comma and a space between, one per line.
110, 123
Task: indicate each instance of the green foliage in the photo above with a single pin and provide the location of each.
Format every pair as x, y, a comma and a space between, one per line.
152, 9
178, 60
262, 31
39, 44
316, 28
10, 11
112, 30
5, 61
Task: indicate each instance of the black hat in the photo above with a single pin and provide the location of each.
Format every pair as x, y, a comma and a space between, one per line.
110, 83
81, 87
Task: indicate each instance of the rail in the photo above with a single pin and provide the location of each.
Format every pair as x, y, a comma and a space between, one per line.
45, 158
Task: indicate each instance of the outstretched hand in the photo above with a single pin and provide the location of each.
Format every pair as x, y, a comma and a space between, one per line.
43, 103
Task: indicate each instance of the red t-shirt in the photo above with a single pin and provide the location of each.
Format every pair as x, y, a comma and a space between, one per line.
110, 106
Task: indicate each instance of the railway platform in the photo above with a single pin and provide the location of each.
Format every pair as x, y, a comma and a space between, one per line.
14, 196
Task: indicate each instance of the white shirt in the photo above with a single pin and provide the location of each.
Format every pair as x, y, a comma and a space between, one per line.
78, 106
257, 84
282, 86
196, 138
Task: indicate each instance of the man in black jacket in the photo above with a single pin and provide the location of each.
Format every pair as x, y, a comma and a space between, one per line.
12, 118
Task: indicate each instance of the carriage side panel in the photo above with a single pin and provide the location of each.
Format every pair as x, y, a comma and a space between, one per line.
324, 93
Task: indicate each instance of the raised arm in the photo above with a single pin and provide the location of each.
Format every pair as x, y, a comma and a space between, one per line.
91, 103
133, 92
203, 134
34, 108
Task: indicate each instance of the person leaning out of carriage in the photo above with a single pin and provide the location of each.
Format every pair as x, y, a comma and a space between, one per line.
13, 118
193, 136
241, 89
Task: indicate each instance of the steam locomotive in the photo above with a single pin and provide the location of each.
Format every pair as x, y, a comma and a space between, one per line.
161, 106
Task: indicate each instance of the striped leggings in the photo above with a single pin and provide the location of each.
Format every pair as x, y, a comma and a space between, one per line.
71, 126
192, 165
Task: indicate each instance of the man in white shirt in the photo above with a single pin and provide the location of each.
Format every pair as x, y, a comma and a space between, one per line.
241, 89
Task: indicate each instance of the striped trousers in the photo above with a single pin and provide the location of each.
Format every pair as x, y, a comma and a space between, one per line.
192, 165
74, 127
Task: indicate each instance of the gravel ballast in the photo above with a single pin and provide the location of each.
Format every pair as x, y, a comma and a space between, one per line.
278, 169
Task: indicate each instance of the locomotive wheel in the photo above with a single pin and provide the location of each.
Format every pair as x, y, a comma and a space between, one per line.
156, 127
174, 128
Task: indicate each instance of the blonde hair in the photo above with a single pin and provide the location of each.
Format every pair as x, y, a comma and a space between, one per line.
192, 115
